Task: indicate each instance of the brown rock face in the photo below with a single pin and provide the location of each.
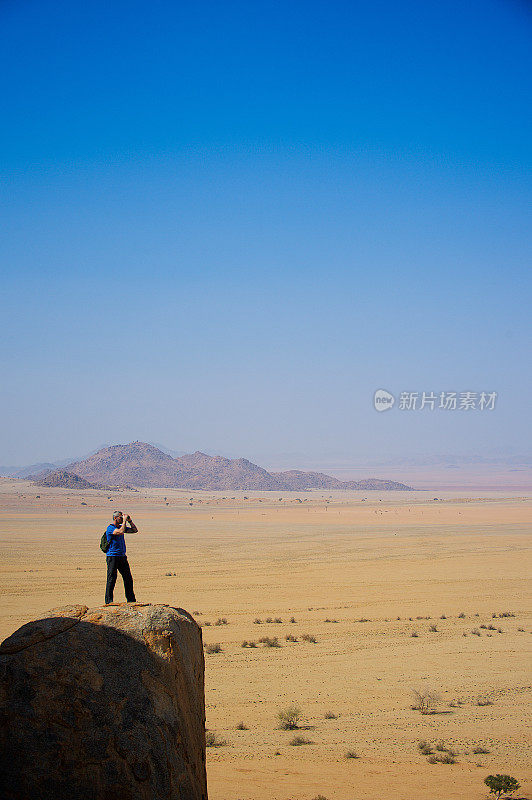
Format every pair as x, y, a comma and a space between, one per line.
104, 704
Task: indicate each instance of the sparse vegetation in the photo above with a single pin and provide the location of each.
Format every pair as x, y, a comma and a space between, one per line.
257, 621
297, 741
241, 727
289, 717
352, 754
424, 748
293, 619
480, 751
483, 701
221, 621
212, 740
414, 634
245, 643
476, 632
433, 629
425, 701
461, 615
290, 638
269, 641
213, 648
501, 784
278, 620
330, 715
306, 637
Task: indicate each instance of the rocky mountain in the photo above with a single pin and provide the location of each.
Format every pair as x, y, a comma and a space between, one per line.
141, 464
63, 479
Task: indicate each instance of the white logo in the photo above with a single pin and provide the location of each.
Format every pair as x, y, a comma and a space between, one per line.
383, 400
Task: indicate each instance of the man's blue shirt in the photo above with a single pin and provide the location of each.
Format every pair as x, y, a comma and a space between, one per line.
117, 544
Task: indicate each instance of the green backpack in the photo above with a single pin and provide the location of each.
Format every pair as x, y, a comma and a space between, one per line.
104, 542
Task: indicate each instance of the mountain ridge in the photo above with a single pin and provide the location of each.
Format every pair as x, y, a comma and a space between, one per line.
143, 464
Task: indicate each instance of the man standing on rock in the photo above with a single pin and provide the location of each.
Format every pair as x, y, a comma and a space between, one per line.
116, 556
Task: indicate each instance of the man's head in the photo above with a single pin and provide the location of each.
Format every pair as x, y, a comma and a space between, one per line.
118, 518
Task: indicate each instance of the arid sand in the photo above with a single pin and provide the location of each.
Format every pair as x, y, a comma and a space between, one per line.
316, 556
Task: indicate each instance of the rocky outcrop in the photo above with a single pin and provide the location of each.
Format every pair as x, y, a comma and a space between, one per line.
104, 704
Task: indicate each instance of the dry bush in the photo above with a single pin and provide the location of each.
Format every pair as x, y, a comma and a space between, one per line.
241, 727
292, 619
221, 621
290, 638
352, 754
289, 717
480, 751
299, 740
257, 621
483, 701
425, 701
278, 620
330, 715
269, 641
212, 740
306, 637
213, 648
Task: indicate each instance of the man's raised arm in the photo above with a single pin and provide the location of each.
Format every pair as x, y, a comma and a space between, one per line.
131, 528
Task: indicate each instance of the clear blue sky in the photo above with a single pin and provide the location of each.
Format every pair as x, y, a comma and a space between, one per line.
225, 224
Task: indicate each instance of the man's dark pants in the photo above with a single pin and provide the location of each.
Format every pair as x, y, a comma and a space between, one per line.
119, 564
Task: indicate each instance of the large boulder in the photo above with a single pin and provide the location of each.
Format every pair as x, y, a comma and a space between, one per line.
104, 704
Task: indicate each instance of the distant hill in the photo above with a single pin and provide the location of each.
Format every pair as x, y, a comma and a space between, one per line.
64, 480
141, 464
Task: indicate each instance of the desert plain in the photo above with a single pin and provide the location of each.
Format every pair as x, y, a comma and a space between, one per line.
402, 592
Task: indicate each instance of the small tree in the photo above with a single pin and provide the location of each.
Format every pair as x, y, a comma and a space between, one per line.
501, 784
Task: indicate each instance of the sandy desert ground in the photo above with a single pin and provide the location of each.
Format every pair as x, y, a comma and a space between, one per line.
403, 562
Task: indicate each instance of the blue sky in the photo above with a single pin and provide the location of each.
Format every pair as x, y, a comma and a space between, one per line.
226, 224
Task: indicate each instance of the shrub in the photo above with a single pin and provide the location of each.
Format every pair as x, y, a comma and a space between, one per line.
433, 629
212, 740
480, 751
483, 701
213, 648
476, 632
207, 624
289, 717
424, 748
252, 644
352, 754
257, 621
308, 638
268, 619
241, 727
425, 701
362, 619
299, 740
221, 621
441, 747
433, 759
290, 638
461, 615
278, 620
319, 797
292, 619
330, 715
443, 616
501, 784
414, 634
447, 758
269, 641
